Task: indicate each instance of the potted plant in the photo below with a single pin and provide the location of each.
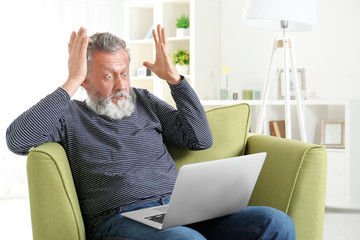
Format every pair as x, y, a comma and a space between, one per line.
182, 25
181, 59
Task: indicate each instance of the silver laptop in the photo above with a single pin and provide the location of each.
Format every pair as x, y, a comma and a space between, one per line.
204, 191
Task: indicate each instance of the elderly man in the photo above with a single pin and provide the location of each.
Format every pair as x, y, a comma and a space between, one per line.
115, 143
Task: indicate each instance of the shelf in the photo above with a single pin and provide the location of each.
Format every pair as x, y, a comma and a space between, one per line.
151, 40
275, 102
151, 78
229, 102
315, 111
174, 39
142, 78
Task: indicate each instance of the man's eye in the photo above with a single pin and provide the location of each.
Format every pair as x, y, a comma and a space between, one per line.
125, 75
108, 76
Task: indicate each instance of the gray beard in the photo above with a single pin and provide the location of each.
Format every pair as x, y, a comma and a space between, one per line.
105, 107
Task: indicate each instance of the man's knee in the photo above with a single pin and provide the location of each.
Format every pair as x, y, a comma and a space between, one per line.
278, 225
180, 233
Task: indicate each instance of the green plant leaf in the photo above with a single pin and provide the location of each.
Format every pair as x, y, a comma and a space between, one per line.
183, 21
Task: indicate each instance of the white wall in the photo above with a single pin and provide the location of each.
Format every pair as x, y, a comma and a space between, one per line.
207, 48
33, 61
330, 55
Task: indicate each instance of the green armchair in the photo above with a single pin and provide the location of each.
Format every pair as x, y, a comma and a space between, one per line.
292, 179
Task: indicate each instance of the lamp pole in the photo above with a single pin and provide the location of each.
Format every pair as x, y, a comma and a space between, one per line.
284, 25
288, 46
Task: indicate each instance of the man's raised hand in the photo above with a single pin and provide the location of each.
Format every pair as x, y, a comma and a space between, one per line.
163, 67
77, 61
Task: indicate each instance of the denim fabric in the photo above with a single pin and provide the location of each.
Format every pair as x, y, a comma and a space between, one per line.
249, 223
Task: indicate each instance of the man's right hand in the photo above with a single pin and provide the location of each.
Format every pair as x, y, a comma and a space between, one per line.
77, 61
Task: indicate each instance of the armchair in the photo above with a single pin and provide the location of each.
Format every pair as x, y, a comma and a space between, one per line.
292, 180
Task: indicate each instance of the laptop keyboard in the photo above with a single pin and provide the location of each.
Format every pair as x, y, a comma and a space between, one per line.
156, 218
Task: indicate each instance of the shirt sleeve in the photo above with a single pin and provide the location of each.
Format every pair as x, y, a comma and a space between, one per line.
186, 126
41, 123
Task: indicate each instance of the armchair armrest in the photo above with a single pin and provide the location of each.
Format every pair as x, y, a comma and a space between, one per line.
293, 180
55, 210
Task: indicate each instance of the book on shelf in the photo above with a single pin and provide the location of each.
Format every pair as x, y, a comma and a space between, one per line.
277, 128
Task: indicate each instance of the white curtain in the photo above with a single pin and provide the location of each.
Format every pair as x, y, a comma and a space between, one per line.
33, 62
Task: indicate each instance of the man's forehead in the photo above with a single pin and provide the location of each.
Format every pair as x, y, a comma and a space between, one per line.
118, 54
107, 59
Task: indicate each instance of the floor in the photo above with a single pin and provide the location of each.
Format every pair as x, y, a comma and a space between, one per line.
339, 224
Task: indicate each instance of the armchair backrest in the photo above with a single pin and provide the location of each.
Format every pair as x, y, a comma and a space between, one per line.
229, 126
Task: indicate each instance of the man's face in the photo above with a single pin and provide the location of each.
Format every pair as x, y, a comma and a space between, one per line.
109, 74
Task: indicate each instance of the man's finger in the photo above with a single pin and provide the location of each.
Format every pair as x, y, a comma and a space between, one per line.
156, 39
78, 40
84, 45
164, 51
164, 37
71, 41
84, 40
148, 65
159, 33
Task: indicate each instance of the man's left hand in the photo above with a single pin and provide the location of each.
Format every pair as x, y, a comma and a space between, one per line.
163, 67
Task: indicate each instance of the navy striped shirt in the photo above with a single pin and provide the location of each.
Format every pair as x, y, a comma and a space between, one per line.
115, 162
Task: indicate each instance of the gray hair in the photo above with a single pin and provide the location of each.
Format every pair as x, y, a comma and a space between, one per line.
104, 42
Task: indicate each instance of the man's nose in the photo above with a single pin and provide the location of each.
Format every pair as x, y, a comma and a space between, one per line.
119, 84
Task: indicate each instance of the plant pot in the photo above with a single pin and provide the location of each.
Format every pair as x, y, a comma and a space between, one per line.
182, 32
182, 69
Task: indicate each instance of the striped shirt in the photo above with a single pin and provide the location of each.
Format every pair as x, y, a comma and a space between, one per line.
115, 162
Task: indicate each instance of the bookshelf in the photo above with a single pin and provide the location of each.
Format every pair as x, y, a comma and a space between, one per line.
141, 16
343, 164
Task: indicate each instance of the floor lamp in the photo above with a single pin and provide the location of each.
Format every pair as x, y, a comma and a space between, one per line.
285, 16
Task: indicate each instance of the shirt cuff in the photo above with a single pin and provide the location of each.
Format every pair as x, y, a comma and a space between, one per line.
180, 85
63, 92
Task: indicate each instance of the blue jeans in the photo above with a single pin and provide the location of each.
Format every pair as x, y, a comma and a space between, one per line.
249, 223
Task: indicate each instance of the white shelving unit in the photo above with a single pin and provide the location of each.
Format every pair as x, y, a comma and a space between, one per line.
343, 164
141, 16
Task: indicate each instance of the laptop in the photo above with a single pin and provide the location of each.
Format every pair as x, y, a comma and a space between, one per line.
204, 191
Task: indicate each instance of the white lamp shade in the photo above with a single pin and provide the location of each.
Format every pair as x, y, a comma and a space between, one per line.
267, 14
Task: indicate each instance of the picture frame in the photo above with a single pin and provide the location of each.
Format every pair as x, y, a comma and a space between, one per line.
333, 133
143, 72
281, 83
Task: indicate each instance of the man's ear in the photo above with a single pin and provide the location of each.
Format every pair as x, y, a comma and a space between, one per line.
85, 84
